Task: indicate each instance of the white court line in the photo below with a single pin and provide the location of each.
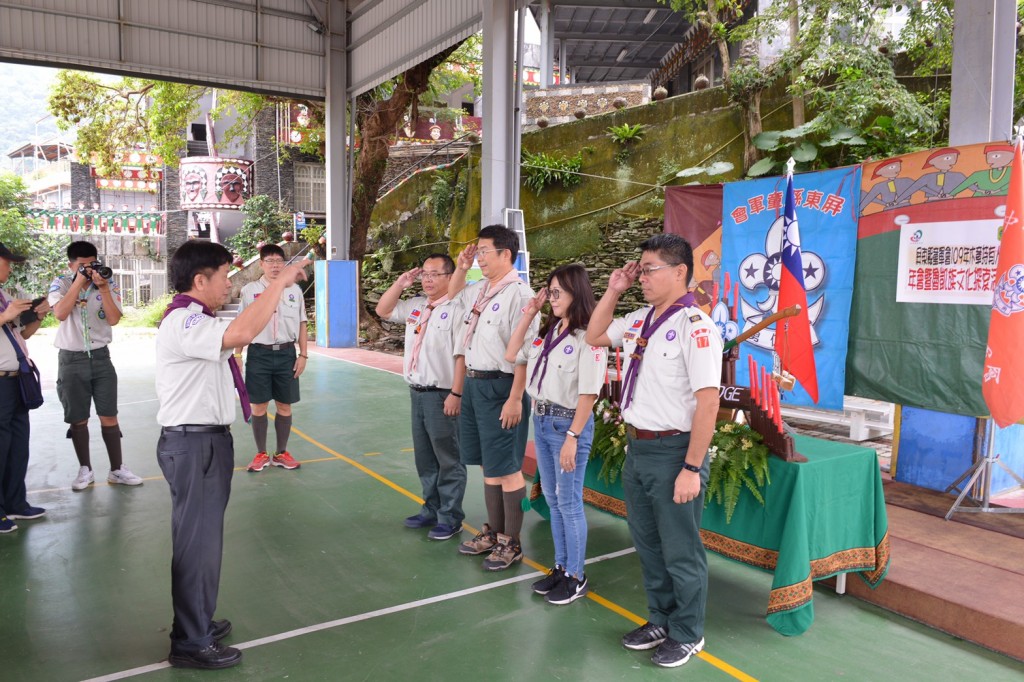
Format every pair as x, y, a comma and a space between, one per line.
353, 362
298, 632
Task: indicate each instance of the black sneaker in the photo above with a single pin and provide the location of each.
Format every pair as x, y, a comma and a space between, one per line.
647, 636
211, 658
548, 582
672, 654
567, 591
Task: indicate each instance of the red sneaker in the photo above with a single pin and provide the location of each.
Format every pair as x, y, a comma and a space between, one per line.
284, 459
259, 462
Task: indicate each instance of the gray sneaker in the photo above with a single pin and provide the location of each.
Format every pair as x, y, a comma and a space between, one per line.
672, 654
506, 553
647, 636
483, 542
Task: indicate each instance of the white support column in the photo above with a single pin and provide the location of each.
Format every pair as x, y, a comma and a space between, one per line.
497, 96
338, 218
563, 72
547, 44
984, 41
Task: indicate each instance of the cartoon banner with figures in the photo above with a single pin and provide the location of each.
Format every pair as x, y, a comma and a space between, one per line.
827, 211
694, 212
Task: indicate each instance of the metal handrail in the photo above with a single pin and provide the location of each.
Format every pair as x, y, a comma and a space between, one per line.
405, 174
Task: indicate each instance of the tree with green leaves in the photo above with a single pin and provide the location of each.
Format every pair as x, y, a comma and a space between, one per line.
45, 251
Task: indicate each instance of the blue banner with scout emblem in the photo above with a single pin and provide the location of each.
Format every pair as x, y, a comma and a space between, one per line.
826, 204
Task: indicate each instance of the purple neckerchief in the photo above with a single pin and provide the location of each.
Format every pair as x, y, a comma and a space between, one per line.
629, 383
183, 301
549, 346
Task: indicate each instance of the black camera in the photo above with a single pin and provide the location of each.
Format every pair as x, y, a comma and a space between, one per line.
29, 316
100, 269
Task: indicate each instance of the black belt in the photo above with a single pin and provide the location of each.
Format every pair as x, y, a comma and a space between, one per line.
487, 374
12, 373
552, 410
196, 428
274, 346
426, 389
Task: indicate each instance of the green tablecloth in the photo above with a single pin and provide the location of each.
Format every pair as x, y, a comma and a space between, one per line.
822, 517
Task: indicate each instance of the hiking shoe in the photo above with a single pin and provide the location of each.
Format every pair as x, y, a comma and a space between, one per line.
123, 476
6, 525
84, 478
483, 542
420, 521
567, 591
672, 653
550, 581
285, 460
444, 531
29, 513
505, 553
647, 636
260, 462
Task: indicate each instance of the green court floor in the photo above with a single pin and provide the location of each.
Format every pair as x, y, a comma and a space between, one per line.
322, 581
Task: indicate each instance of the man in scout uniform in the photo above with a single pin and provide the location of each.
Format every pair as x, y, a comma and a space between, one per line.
669, 403
494, 425
272, 367
433, 323
88, 306
196, 378
14, 422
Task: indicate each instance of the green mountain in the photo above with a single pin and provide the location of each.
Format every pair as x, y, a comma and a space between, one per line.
23, 94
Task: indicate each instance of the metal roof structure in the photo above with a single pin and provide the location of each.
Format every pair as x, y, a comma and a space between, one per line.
610, 40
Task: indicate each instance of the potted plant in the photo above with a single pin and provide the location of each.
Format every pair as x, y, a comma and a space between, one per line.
609, 440
739, 460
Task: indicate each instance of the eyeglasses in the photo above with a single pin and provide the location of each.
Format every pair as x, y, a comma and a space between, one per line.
427, 276
273, 261
646, 270
554, 294
484, 252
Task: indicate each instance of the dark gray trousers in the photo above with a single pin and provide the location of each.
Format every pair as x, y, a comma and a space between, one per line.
14, 434
198, 469
435, 440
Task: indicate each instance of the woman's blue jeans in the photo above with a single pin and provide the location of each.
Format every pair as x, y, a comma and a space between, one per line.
563, 490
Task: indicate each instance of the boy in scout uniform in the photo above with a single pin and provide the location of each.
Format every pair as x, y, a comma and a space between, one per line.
432, 325
88, 306
669, 403
494, 425
272, 368
196, 379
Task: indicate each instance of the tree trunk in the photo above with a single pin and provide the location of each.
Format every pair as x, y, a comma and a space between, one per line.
751, 128
794, 41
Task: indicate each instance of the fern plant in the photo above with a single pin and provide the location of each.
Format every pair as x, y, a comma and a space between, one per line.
626, 134
609, 444
739, 460
542, 170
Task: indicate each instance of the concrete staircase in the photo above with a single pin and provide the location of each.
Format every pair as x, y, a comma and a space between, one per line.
230, 309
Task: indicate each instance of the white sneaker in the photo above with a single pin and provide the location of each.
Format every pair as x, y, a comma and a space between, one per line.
83, 479
123, 476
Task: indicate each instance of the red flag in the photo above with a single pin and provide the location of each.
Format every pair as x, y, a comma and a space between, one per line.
1003, 380
793, 334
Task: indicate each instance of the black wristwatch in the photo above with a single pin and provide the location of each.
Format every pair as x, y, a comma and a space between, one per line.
690, 467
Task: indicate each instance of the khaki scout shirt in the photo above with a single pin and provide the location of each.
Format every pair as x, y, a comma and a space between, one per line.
8, 356
683, 356
486, 350
193, 378
436, 363
574, 368
288, 320
88, 312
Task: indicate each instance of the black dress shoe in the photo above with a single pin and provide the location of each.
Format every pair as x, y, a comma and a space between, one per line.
220, 629
212, 657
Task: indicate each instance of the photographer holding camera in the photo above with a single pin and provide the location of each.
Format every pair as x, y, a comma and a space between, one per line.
88, 305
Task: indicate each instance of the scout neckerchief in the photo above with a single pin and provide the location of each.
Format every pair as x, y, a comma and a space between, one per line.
629, 383
184, 301
16, 338
550, 343
485, 295
421, 332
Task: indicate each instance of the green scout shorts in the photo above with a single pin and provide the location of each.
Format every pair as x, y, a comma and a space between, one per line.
270, 375
83, 378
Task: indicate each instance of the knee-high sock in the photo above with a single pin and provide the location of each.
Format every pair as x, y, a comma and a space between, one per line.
283, 429
112, 439
495, 507
514, 511
259, 432
79, 435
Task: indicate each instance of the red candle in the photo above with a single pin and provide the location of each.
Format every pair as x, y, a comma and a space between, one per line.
618, 365
736, 302
778, 409
765, 396
714, 294
754, 391
727, 287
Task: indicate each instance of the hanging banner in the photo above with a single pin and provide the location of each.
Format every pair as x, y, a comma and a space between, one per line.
694, 212
826, 205
925, 267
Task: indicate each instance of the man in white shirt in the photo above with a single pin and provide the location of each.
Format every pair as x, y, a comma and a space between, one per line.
88, 306
196, 377
272, 368
435, 376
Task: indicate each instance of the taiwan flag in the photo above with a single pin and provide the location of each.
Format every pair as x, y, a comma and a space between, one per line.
1003, 378
793, 334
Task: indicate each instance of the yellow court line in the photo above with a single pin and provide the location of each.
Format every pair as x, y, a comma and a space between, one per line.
611, 606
